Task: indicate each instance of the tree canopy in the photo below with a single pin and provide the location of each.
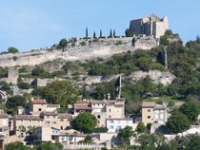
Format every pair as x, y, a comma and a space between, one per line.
178, 122
62, 44
84, 122
13, 50
191, 110
60, 92
125, 134
15, 101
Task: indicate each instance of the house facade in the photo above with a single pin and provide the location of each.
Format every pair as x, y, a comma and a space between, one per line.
154, 113
102, 109
115, 124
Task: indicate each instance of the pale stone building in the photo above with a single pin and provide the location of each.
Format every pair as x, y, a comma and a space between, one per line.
102, 109
115, 124
151, 26
154, 113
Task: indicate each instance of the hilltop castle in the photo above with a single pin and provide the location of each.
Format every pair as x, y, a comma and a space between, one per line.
151, 26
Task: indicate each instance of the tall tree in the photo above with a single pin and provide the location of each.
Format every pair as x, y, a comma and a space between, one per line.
94, 35
86, 33
100, 34
84, 122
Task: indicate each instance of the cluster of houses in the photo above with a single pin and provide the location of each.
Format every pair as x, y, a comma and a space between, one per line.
40, 121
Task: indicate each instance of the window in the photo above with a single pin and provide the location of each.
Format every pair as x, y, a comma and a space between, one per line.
161, 116
156, 116
109, 110
47, 122
98, 116
118, 127
111, 127
149, 110
40, 109
111, 121
148, 117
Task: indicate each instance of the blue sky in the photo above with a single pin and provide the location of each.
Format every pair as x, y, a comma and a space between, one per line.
34, 24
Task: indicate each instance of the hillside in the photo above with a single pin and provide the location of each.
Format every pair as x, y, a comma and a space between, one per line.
170, 69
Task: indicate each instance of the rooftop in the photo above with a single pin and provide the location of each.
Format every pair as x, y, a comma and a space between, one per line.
27, 117
152, 105
38, 101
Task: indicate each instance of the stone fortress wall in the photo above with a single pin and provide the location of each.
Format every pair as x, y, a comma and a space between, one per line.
151, 26
104, 47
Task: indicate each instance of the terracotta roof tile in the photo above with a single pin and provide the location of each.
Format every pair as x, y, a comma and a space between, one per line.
38, 101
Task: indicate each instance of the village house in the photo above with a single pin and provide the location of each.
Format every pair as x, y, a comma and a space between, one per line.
154, 113
102, 109
5, 136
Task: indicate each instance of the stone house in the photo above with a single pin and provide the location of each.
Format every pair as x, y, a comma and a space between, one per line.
102, 109
154, 113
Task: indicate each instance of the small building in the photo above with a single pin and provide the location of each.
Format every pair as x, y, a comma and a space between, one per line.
154, 113
115, 124
36, 106
102, 109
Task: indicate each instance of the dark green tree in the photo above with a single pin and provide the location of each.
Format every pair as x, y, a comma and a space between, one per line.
15, 101
140, 127
128, 33
16, 145
94, 35
178, 122
191, 110
86, 33
13, 50
84, 122
111, 34
62, 44
100, 34
114, 33
61, 92
125, 134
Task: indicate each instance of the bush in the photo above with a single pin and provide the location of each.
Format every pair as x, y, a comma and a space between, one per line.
100, 130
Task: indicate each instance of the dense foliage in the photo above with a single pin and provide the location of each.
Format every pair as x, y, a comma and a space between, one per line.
58, 92
178, 122
84, 122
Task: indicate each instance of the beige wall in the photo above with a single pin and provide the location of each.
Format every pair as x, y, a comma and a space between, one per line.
147, 115
3, 122
115, 111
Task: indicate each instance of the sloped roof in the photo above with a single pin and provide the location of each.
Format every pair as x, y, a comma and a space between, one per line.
38, 101
27, 117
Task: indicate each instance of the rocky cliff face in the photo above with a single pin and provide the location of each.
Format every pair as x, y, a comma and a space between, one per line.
102, 48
